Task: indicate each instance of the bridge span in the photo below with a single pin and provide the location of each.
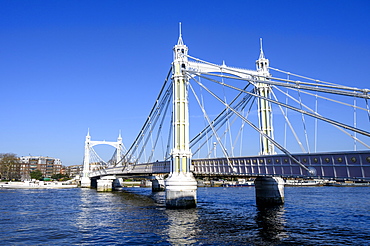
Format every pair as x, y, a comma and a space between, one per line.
347, 165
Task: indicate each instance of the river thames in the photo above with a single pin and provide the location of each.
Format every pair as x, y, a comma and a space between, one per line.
224, 216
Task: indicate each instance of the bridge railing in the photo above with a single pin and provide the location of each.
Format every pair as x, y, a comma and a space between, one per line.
158, 167
352, 165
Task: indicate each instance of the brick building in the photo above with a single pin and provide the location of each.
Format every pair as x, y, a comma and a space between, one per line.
47, 165
73, 171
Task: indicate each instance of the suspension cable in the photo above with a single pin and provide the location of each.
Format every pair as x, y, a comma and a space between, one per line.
159, 128
363, 132
287, 122
213, 130
255, 127
153, 122
345, 91
251, 73
221, 117
303, 121
339, 128
144, 128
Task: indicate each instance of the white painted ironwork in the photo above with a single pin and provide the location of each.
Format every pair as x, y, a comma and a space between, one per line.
181, 153
89, 144
185, 67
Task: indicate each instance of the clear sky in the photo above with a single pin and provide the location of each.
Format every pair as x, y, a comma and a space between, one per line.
66, 66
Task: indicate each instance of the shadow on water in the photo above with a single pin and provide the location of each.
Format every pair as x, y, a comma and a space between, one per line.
271, 223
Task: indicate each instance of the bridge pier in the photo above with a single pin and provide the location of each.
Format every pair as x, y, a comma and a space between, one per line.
158, 183
181, 186
85, 181
117, 183
269, 191
181, 191
105, 183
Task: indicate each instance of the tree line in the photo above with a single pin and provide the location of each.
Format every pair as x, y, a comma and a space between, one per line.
11, 169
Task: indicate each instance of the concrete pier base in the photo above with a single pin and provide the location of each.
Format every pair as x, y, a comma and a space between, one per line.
85, 182
105, 183
158, 184
269, 191
181, 191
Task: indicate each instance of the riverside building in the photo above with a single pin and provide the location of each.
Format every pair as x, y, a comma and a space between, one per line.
47, 165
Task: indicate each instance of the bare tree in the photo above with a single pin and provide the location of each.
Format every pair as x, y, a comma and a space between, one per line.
9, 166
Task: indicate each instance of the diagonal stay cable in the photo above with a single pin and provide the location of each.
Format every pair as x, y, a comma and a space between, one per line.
363, 132
345, 91
308, 78
221, 118
213, 130
221, 121
254, 127
289, 124
329, 99
131, 150
339, 128
151, 125
251, 73
224, 113
159, 130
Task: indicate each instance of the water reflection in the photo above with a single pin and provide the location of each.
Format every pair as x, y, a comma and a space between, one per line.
271, 223
174, 226
182, 226
138, 216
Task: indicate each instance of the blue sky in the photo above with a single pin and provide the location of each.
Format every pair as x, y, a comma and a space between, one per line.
66, 66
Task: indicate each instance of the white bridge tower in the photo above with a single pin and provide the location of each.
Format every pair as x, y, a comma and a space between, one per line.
264, 106
181, 185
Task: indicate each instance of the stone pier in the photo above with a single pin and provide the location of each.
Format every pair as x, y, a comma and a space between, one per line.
158, 184
105, 183
181, 191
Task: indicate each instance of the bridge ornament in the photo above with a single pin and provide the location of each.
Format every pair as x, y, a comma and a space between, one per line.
312, 171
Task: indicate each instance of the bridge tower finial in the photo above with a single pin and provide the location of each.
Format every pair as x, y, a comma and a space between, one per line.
262, 63
262, 56
180, 41
180, 51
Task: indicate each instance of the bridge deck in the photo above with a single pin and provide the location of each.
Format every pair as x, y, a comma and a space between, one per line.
353, 165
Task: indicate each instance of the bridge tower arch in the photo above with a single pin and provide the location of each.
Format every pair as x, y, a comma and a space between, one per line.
85, 180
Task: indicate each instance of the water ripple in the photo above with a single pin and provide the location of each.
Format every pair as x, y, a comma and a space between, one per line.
224, 216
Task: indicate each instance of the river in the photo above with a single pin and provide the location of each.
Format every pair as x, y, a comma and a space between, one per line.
224, 216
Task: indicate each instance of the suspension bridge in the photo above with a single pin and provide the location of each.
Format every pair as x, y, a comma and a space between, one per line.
267, 123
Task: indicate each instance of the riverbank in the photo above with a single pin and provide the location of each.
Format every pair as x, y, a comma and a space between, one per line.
37, 185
